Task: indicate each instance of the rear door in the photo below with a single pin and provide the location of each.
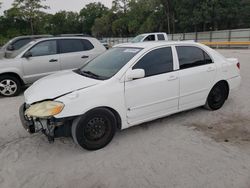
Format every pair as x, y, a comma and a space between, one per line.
44, 61
197, 73
157, 93
74, 53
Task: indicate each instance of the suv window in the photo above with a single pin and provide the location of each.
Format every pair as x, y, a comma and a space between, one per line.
87, 45
150, 38
20, 43
44, 48
156, 62
190, 56
161, 37
71, 45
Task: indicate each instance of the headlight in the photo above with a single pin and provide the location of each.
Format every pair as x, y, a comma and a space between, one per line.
44, 109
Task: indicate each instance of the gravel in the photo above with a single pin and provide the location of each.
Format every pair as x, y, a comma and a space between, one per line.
197, 148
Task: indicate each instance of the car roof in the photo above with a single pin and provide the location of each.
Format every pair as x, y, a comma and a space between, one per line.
153, 33
32, 36
150, 45
69, 37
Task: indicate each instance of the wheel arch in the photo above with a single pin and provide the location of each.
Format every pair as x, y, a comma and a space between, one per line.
226, 84
116, 114
14, 75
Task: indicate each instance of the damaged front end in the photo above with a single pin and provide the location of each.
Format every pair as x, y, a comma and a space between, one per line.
49, 126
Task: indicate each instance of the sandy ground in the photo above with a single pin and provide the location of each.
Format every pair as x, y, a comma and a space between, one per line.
192, 149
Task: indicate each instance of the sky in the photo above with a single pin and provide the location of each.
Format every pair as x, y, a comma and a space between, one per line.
57, 5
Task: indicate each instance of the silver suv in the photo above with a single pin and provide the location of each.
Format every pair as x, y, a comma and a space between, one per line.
42, 57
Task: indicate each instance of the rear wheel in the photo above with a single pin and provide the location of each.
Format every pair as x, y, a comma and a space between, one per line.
217, 97
95, 129
9, 86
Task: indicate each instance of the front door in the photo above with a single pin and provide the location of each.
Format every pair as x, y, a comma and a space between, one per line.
157, 94
44, 60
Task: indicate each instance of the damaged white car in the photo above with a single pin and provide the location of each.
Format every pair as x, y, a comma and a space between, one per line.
126, 86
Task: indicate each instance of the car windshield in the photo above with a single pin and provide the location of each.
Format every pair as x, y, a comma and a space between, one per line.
138, 38
17, 52
108, 64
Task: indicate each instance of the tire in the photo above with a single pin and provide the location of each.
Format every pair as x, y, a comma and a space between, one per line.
217, 97
10, 86
95, 129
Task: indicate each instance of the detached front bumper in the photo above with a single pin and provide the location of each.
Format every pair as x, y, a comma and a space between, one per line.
51, 127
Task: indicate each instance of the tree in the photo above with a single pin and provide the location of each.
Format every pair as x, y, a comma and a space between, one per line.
65, 22
30, 10
103, 25
90, 13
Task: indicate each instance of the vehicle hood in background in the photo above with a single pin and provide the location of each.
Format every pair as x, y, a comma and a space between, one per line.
56, 85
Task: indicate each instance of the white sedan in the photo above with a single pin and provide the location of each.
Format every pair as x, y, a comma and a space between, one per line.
128, 85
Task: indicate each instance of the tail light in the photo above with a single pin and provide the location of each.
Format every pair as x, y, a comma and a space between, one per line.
238, 65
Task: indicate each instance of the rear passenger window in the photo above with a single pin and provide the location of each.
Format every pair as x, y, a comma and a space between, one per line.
71, 45
156, 62
190, 56
161, 37
87, 45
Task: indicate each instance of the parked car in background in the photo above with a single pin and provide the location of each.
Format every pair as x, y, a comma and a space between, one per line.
105, 43
42, 57
17, 43
73, 35
150, 37
128, 85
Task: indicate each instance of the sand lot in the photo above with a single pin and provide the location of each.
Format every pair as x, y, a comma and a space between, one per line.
193, 149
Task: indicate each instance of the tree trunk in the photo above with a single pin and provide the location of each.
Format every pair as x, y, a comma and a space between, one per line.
173, 22
32, 26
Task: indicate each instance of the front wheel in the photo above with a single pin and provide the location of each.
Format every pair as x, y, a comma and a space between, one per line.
9, 86
217, 97
95, 129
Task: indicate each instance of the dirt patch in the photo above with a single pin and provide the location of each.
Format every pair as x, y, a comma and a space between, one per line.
234, 128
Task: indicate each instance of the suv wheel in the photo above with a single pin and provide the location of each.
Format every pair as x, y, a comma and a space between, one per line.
9, 86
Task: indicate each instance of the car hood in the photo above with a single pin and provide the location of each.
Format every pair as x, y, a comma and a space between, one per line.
56, 85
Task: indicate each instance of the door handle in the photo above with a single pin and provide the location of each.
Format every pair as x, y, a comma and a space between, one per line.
85, 57
53, 60
171, 78
210, 69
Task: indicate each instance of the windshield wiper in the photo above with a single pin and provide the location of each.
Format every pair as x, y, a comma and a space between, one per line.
91, 74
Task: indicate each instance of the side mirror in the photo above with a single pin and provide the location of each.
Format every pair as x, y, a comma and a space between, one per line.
10, 48
27, 55
135, 74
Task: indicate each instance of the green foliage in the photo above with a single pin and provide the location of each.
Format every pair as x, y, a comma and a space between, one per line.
29, 10
90, 13
126, 17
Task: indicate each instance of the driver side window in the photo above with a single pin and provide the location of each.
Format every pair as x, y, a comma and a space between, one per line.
156, 62
44, 48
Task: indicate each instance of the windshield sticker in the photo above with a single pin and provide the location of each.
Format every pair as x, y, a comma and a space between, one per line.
131, 50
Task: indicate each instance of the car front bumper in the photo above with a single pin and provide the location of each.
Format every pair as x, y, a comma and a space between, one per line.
51, 127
